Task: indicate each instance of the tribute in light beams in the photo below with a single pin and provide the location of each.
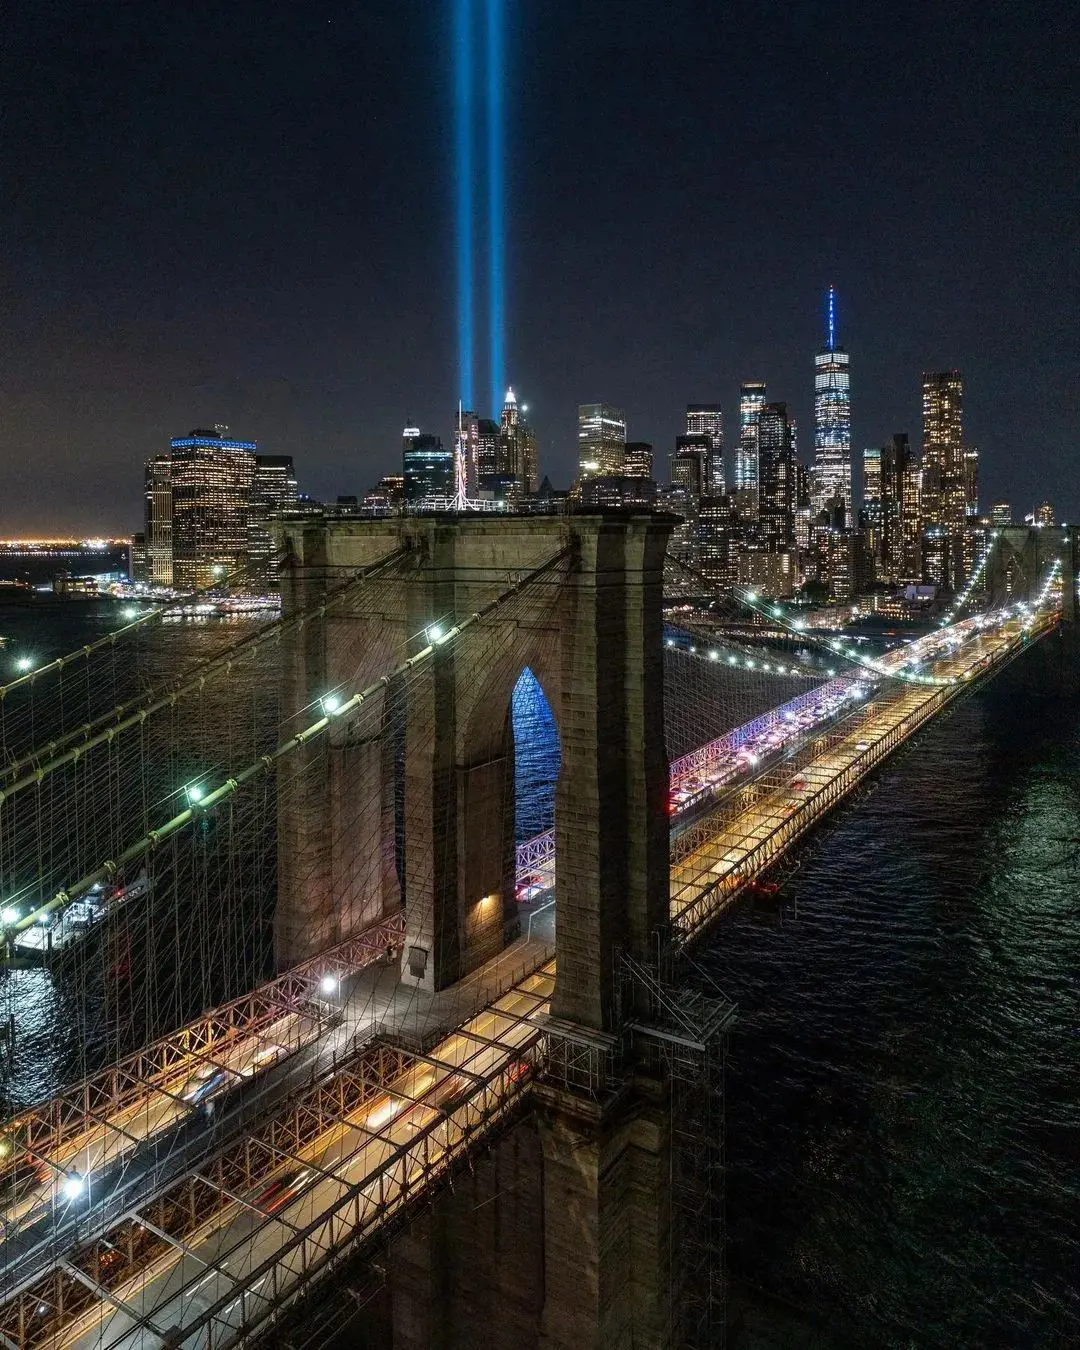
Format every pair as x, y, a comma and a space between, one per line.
463, 154
496, 207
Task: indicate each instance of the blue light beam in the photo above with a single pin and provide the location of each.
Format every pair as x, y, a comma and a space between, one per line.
463, 156
496, 150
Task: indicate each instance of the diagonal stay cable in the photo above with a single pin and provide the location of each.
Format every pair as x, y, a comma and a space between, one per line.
65, 749
265, 763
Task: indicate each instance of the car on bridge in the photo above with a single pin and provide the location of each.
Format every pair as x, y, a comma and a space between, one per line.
205, 1082
278, 1192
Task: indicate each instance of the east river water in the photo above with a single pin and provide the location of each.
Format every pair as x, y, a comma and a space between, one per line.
903, 1111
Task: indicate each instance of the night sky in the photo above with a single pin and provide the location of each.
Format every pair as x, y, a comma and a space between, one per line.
243, 213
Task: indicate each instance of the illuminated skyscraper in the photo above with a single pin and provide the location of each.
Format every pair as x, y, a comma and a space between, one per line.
689, 466
832, 419
777, 485
158, 516
528, 456
1001, 515
601, 440
898, 538
744, 480
274, 491
489, 459
517, 442
871, 474
943, 401
212, 481
944, 493
428, 469
717, 542
638, 460
871, 498
912, 494
707, 419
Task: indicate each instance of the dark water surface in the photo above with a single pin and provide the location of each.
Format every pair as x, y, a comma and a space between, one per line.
904, 1086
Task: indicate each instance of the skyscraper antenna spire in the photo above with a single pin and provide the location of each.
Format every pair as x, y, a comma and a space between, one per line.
831, 320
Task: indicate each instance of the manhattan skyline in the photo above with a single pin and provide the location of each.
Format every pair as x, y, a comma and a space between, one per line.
277, 255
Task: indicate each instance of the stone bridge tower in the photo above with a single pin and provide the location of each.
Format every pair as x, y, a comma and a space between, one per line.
593, 638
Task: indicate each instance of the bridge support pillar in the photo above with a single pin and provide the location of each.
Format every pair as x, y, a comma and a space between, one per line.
611, 818
606, 1222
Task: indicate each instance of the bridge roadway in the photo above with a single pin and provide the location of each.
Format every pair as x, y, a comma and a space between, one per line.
743, 839
247, 1239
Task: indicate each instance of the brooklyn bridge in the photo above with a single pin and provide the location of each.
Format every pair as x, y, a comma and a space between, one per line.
339, 1026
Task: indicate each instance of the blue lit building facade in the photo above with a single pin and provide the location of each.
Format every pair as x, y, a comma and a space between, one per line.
832, 421
428, 468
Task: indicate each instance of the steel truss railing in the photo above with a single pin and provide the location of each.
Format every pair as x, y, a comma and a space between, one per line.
96, 1122
446, 1101
535, 853
726, 863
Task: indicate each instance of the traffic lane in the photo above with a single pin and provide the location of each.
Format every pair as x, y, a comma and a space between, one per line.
349, 1166
351, 1146
116, 1140
723, 855
168, 1155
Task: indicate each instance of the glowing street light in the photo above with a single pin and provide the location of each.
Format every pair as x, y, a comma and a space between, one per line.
331, 703
9, 914
435, 634
72, 1186
130, 612
195, 793
24, 663
328, 986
